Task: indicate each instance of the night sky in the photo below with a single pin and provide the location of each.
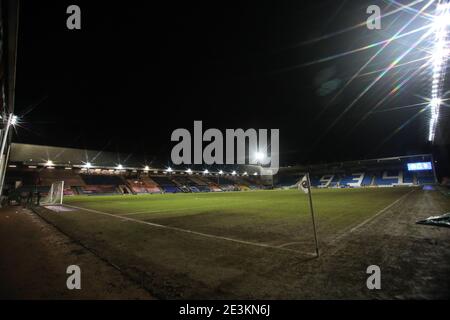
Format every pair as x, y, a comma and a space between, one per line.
138, 70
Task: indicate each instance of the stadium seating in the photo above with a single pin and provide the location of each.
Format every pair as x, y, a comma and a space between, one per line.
70, 178
352, 180
194, 189
98, 190
408, 177
201, 183
424, 178
315, 180
94, 179
227, 183
150, 185
387, 178
79, 181
137, 186
167, 185
368, 179
287, 180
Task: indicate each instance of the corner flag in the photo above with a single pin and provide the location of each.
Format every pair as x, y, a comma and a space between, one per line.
305, 186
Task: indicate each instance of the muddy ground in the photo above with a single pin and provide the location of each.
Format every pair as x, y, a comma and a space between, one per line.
34, 257
414, 261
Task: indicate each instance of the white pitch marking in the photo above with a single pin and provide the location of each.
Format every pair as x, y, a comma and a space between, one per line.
290, 244
345, 233
263, 245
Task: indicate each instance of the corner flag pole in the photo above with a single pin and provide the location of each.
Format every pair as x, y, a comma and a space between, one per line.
312, 213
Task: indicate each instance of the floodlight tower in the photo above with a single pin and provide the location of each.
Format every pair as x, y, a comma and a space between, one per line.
10, 122
439, 57
9, 25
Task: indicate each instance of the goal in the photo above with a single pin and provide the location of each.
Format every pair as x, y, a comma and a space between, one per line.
55, 195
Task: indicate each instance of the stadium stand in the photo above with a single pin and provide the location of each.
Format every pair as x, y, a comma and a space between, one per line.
28, 172
227, 184
424, 178
352, 180
201, 184
182, 183
387, 178
288, 180
101, 180
409, 178
213, 184
137, 186
150, 185
166, 184
70, 178
97, 190
369, 179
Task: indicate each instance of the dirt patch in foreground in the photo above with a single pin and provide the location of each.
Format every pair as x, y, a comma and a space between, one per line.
34, 257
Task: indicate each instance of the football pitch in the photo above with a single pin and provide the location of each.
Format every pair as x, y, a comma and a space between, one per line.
256, 244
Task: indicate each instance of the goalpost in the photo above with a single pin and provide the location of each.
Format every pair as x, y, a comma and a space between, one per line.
55, 195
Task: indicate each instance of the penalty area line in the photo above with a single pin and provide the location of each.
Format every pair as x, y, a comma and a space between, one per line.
370, 219
201, 234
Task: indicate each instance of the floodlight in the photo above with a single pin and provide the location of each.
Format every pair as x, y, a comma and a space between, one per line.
88, 165
440, 52
435, 102
146, 168
119, 167
189, 171
234, 173
206, 171
169, 169
49, 163
245, 173
13, 120
255, 174
220, 172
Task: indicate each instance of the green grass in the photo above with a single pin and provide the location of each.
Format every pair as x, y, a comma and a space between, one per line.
273, 217
184, 265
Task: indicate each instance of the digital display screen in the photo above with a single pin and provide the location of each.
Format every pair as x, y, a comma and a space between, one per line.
418, 166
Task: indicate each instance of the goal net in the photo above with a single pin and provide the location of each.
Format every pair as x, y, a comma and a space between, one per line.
55, 195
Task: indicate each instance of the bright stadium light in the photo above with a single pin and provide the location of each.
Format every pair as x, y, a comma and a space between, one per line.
146, 168
255, 174
169, 169
439, 56
49, 163
220, 172
119, 167
234, 173
205, 171
189, 171
88, 165
14, 120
